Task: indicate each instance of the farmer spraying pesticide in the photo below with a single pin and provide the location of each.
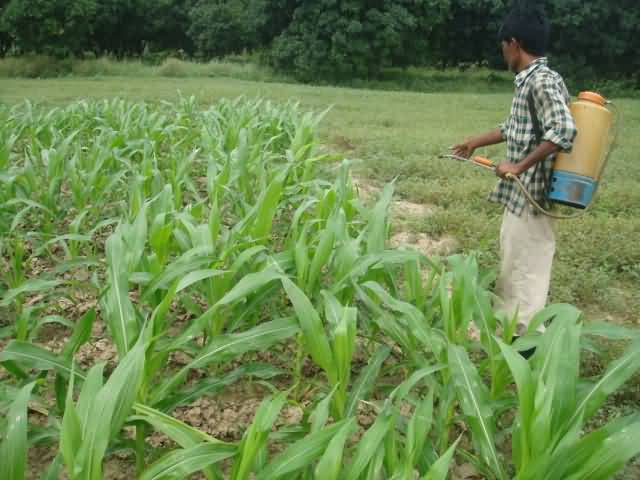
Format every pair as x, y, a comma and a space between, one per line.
539, 127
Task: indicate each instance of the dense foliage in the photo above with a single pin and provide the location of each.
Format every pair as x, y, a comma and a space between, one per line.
322, 38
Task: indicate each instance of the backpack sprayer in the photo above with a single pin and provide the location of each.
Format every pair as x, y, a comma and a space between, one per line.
576, 175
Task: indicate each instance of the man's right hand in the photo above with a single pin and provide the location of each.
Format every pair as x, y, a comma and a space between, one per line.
465, 149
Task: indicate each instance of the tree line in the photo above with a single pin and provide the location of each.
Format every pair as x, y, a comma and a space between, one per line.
331, 39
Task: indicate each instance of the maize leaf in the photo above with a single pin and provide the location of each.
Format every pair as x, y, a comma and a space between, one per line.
13, 450
321, 257
181, 463
320, 414
366, 380
330, 464
32, 356
108, 411
119, 313
254, 439
440, 468
474, 400
301, 454
613, 378
377, 227
30, 286
268, 206
313, 330
417, 430
224, 347
209, 385
184, 435
526, 393
368, 445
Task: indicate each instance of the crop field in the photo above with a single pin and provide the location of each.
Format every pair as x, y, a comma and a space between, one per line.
219, 287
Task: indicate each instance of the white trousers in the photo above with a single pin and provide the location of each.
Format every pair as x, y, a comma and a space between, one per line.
527, 247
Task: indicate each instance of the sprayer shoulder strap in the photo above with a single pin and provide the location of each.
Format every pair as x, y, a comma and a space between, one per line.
537, 130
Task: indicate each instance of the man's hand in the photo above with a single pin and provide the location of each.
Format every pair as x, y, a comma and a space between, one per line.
541, 152
464, 149
507, 167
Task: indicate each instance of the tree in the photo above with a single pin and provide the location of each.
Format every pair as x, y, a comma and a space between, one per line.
596, 37
169, 25
122, 26
5, 38
222, 27
55, 27
356, 38
469, 34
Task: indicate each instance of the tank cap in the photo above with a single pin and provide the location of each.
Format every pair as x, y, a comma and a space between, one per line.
592, 97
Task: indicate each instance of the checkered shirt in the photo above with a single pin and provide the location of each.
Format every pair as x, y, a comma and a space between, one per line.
551, 100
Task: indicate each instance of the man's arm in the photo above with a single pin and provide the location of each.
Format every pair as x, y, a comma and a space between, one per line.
541, 152
467, 148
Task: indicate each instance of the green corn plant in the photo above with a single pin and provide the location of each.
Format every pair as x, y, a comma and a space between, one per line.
187, 437
457, 302
22, 358
394, 447
377, 268
343, 321
329, 465
183, 462
99, 414
553, 407
295, 460
93, 174
487, 322
119, 311
254, 288
366, 381
323, 251
378, 224
403, 322
225, 347
414, 453
18, 288
198, 451
370, 450
474, 400
13, 449
259, 220
254, 441
332, 355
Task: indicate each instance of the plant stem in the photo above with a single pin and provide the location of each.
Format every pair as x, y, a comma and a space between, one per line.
297, 373
140, 444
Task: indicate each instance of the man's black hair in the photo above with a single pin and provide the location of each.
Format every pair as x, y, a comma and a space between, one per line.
527, 23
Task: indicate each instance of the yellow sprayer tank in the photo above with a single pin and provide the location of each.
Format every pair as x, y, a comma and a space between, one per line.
576, 174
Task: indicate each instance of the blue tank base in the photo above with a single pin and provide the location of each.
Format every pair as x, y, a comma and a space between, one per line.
572, 190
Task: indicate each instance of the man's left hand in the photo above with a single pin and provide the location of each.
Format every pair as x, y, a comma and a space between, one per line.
507, 167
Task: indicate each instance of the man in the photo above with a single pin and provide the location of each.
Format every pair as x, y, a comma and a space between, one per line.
539, 126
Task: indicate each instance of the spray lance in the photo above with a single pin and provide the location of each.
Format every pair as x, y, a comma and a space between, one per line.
576, 175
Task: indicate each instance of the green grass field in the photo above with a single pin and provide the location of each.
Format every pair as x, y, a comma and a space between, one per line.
398, 136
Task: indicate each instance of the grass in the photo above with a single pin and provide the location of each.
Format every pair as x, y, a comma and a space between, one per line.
399, 135
40, 66
248, 66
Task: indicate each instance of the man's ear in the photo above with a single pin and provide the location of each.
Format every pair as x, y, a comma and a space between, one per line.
515, 42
